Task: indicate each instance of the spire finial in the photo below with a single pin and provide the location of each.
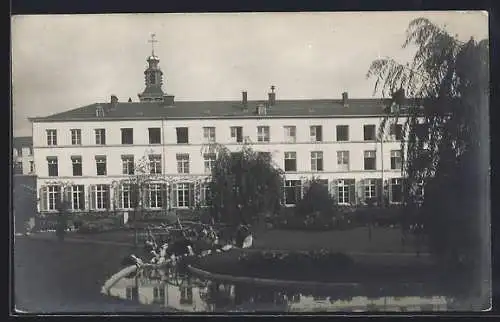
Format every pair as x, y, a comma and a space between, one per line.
153, 41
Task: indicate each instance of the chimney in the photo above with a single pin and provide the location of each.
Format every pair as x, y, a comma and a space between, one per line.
168, 100
244, 98
114, 101
345, 99
272, 96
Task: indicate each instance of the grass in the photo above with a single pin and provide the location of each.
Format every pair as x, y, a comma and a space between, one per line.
51, 276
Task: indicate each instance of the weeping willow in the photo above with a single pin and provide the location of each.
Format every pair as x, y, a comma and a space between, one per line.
444, 92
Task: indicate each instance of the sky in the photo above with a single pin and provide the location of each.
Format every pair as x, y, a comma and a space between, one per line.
61, 62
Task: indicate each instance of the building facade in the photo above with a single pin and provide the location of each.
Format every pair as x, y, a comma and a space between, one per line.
22, 152
89, 155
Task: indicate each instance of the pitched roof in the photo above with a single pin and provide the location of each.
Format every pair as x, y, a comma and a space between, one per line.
22, 141
221, 109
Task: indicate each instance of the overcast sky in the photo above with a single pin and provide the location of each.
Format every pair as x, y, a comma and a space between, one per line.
67, 61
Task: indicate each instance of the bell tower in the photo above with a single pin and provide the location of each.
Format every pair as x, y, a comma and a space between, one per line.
153, 77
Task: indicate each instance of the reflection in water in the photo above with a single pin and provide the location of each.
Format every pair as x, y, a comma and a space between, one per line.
174, 291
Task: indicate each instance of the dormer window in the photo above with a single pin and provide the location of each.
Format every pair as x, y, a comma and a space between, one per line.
99, 111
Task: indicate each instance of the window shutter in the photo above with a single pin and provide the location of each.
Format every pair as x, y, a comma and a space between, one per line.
191, 195
361, 190
173, 195
118, 196
108, 197
335, 191
92, 192
68, 202
146, 198
352, 192
379, 191
164, 196
43, 199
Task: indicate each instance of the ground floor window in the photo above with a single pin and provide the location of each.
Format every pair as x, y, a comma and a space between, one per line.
99, 197
155, 195
159, 294
343, 192
370, 189
396, 192
52, 197
292, 191
183, 195
78, 197
206, 198
186, 295
125, 197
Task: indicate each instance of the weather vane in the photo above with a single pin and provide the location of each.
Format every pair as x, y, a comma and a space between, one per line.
153, 41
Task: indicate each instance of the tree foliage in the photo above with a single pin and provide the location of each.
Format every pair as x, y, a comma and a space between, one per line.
447, 86
316, 199
244, 185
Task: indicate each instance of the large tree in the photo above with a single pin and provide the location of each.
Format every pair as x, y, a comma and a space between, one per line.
444, 94
244, 185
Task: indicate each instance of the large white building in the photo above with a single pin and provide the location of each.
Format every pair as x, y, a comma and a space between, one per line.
87, 152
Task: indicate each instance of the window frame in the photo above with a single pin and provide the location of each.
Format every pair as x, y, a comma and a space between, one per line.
237, 139
263, 134
54, 162
209, 135
179, 131
287, 156
288, 130
76, 137
155, 164
101, 160
76, 160
316, 159
100, 136
51, 137
127, 136
338, 129
152, 134
396, 160
316, 133
373, 133
183, 163
343, 188
209, 160
369, 155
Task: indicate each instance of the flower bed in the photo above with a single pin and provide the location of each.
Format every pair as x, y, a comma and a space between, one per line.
320, 266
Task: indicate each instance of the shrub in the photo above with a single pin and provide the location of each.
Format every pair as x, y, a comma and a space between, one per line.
316, 200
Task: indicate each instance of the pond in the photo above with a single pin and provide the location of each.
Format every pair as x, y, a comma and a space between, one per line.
173, 290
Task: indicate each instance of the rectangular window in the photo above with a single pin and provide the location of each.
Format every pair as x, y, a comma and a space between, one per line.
159, 294
76, 162
209, 134
290, 134
155, 164
182, 163
128, 166
155, 195
154, 135
343, 160
396, 190
32, 166
316, 161
18, 167
396, 131
209, 161
263, 134
290, 161
292, 191
78, 197
343, 191
316, 133
76, 137
342, 132
127, 136
186, 295
51, 137
100, 136
369, 132
182, 135
53, 197
370, 189
53, 167
100, 165
396, 159
370, 160
237, 133
101, 196
126, 197
206, 198
183, 195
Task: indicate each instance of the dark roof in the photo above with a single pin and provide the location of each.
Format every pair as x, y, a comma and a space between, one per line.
22, 141
222, 109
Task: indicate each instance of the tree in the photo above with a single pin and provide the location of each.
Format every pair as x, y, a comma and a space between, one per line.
244, 185
443, 134
317, 199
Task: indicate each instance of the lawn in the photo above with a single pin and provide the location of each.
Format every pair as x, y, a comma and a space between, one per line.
50, 276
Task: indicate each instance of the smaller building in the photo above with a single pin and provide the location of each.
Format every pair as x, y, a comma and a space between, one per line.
22, 156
